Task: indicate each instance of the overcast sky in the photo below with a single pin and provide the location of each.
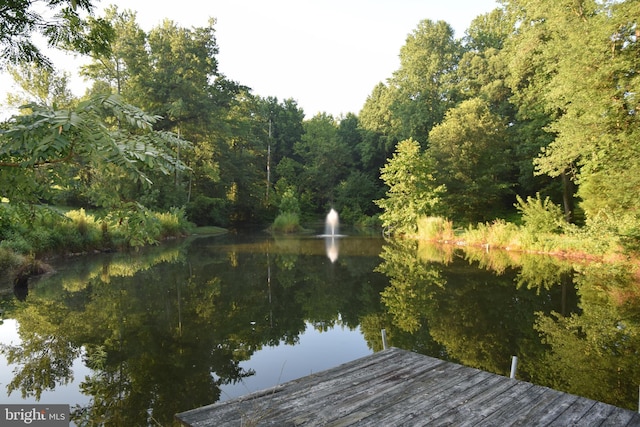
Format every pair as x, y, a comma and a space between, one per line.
326, 54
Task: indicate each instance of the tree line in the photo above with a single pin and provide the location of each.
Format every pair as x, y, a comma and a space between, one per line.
536, 100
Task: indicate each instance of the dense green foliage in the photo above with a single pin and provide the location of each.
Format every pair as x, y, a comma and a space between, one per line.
535, 99
543, 100
39, 229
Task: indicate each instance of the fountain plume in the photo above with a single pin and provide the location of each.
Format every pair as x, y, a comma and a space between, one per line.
332, 223
331, 230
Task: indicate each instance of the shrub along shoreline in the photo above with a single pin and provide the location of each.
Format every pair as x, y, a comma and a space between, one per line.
541, 228
571, 242
31, 234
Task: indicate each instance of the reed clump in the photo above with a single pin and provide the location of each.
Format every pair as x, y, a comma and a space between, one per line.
287, 222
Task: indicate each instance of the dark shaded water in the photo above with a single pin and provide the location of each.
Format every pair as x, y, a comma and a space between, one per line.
131, 339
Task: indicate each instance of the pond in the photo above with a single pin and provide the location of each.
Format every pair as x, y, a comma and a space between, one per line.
132, 339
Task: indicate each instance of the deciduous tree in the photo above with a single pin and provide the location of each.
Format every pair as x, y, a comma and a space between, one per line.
471, 159
423, 84
412, 189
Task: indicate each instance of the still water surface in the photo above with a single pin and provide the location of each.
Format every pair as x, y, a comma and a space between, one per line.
132, 339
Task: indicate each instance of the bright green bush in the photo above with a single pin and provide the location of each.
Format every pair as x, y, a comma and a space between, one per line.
435, 228
539, 215
141, 227
84, 231
81, 220
289, 202
499, 233
138, 227
169, 223
503, 234
287, 222
173, 223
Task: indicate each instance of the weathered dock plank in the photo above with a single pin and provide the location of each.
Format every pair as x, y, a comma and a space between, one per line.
341, 393
400, 388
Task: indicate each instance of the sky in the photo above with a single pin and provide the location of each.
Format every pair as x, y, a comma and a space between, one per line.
328, 55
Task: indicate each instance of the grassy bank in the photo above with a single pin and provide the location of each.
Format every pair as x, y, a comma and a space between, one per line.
566, 241
30, 233
541, 227
208, 231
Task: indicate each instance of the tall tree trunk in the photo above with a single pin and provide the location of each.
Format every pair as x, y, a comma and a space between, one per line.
568, 189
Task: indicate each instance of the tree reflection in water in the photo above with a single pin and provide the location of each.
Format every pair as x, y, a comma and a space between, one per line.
573, 324
161, 331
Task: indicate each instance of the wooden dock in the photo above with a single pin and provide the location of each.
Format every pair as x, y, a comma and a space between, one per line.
399, 388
